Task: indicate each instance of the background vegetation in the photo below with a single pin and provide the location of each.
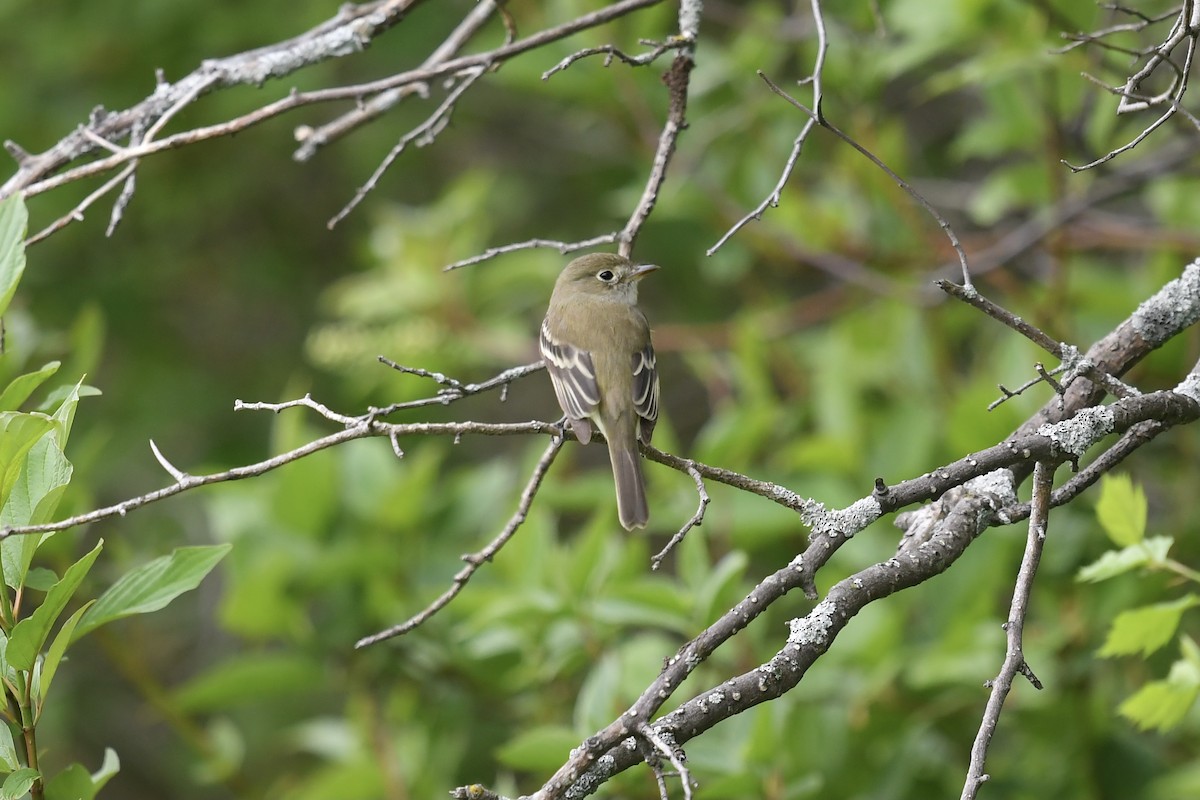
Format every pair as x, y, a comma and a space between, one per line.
809, 350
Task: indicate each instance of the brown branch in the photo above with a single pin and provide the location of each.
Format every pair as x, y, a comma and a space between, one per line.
696, 519
1075, 364
820, 119
313, 139
963, 514
789, 166
1014, 656
347, 33
677, 80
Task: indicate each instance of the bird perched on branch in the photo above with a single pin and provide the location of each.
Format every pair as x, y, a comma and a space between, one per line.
596, 345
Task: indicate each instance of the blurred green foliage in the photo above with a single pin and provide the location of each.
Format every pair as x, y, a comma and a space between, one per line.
223, 283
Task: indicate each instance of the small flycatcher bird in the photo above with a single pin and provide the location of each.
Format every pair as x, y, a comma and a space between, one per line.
596, 345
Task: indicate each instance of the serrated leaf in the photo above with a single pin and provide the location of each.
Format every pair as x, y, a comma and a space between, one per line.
18, 783
152, 586
1117, 562
1146, 629
13, 220
1121, 509
19, 389
1162, 704
30, 634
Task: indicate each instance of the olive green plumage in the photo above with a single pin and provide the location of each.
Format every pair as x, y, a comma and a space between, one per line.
596, 345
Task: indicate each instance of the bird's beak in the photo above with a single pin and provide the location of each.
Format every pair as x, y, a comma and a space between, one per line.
641, 271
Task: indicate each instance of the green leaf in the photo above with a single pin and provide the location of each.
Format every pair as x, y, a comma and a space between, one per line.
30, 633
538, 749
596, 702
74, 782
1162, 704
153, 585
19, 389
58, 649
13, 219
18, 783
1121, 510
6, 671
1146, 629
33, 500
8, 751
65, 413
1190, 650
257, 677
1117, 562
41, 579
18, 433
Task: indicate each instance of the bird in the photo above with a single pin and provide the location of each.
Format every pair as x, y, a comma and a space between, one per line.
596, 345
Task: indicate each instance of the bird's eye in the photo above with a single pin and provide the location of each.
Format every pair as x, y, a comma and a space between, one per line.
606, 275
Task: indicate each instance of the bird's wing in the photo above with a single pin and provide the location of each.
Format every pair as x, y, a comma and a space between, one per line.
572, 374
645, 390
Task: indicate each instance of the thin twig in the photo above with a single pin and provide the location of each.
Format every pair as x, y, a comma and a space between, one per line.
453, 388
677, 81
478, 559
772, 200
530, 244
360, 430
76, 213
1008, 394
176, 473
659, 742
696, 520
1132, 100
313, 139
610, 52
874, 159
1014, 657
422, 135
33, 177
1067, 354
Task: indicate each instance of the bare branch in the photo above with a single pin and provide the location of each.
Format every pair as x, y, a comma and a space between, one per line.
1067, 354
820, 119
772, 200
1131, 99
455, 389
361, 429
313, 139
659, 742
1014, 657
171, 469
423, 135
347, 33
677, 80
562, 247
610, 52
695, 521
478, 559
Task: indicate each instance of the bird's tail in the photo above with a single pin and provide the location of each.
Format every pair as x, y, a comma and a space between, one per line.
631, 487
